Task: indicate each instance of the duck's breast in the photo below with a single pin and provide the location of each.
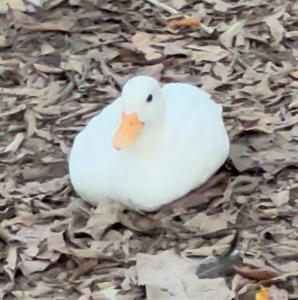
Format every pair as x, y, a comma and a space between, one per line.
91, 164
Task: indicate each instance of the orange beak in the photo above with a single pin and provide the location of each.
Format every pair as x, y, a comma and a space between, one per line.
128, 131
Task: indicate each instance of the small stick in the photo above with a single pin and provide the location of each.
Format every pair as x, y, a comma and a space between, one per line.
163, 6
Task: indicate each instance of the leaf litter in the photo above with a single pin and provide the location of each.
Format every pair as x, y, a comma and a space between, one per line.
63, 61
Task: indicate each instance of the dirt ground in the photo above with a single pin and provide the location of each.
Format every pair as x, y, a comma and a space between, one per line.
235, 239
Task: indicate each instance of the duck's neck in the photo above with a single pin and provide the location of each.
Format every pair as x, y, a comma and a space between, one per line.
150, 139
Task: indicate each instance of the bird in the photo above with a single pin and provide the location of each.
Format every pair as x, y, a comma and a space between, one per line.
151, 146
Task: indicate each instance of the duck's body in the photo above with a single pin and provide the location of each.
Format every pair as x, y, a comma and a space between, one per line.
176, 153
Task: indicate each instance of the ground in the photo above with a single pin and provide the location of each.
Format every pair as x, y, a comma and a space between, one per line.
61, 63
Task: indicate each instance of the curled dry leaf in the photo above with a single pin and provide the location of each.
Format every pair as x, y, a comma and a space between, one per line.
182, 23
15, 144
84, 268
139, 222
30, 120
106, 214
47, 69
255, 273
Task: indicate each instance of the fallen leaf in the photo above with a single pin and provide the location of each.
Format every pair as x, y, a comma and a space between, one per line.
166, 275
106, 214
15, 144
215, 267
208, 53
29, 23
174, 49
277, 30
178, 4
86, 253
255, 273
145, 42
294, 74
211, 223
228, 36
11, 260
47, 69
13, 4
280, 198
220, 248
30, 266
30, 120
182, 23
139, 222
84, 268
278, 294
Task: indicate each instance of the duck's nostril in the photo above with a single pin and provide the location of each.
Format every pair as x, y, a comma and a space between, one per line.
117, 148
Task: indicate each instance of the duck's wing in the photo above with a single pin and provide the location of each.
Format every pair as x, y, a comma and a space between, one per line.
188, 97
191, 114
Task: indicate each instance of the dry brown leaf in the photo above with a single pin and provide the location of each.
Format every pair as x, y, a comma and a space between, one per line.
222, 6
13, 4
25, 219
30, 120
183, 23
29, 23
208, 53
219, 248
47, 69
11, 260
277, 30
84, 268
294, 74
166, 275
228, 36
86, 253
211, 223
30, 266
178, 4
270, 213
281, 198
255, 273
138, 222
15, 144
106, 214
144, 42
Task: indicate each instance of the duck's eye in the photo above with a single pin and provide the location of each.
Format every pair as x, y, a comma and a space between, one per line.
149, 98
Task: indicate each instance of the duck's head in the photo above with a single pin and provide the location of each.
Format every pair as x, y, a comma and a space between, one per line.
142, 108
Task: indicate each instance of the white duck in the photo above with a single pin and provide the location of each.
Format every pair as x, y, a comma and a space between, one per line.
149, 147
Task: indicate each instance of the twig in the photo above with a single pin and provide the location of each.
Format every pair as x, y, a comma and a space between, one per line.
163, 6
